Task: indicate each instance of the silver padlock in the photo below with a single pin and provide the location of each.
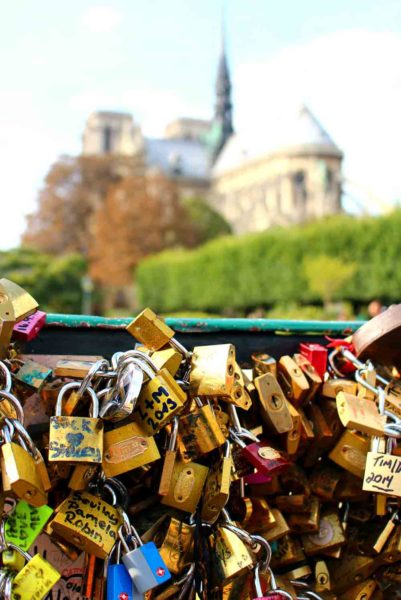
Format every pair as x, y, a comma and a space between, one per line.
143, 562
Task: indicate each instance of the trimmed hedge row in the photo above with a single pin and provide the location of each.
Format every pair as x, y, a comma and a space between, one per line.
266, 268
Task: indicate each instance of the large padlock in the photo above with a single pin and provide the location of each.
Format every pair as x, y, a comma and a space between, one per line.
199, 431
87, 522
152, 332
212, 371
76, 439
18, 469
178, 545
144, 563
127, 448
119, 582
160, 399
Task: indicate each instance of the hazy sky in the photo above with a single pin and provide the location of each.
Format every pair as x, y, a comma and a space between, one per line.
60, 60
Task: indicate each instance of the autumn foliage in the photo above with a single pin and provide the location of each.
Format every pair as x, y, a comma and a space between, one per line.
109, 210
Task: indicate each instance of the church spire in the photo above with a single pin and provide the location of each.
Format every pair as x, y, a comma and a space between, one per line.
223, 107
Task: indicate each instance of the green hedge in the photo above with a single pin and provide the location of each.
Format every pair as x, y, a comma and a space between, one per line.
266, 268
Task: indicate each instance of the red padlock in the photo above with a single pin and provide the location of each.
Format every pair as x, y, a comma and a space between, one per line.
316, 354
267, 460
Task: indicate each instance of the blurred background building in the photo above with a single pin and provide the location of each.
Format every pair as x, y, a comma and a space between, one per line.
254, 180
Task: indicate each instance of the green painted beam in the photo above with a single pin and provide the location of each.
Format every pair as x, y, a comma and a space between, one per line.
279, 326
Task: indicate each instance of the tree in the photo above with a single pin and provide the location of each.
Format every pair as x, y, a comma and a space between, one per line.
141, 215
73, 190
207, 223
326, 275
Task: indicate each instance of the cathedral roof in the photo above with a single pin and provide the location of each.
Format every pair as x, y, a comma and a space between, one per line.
178, 157
300, 134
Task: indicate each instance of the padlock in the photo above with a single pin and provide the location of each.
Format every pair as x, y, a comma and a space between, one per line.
217, 486
323, 436
7, 321
332, 387
273, 407
232, 555
292, 381
167, 358
82, 475
292, 438
306, 522
88, 522
262, 517
330, 535
33, 374
144, 562
23, 303
74, 368
24, 523
288, 551
36, 579
239, 395
152, 332
360, 414
126, 448
119, 582
212, 371
350, 452
178, 545
170, 456
279, 529
186, 485
275, 592
312, 376
76, 439
160, 399
19, 471
27, 442
119, 402
28, 329
317, 356
260, 454
199, 432
264, 363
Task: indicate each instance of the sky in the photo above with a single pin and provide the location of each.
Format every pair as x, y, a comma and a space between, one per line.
62, 60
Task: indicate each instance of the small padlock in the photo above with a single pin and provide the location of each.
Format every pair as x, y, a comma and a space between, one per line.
178, 545
170, 456
152, 332
19, 471
232, 556
273, 406
267, 460
144, 563
120, 401
36, 579
292, 380
29, 328
119, 582
160, 399
76, 439
212, 371
217, 486
127, 448
24, 523
186, 486
199, 431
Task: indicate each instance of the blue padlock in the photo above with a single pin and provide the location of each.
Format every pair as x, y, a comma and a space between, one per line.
144, 563
119, 583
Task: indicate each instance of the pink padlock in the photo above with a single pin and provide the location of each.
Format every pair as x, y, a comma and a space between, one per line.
29, 328
257, 478
267, 460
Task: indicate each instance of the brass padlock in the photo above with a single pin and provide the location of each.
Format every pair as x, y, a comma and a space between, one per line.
126, 448
170, 457
360, 414
232, 556
7, 321
212, 371
186, 486
311, 375
306, 522
177, 547
88, 522
332, 387
264, 363
33, 374
199, 432
292, 380
273, 407
151, 331
279, 529
329, 536
76, 439
160, 399
288, 550
81, 476
350, 452
217, 486
19, 471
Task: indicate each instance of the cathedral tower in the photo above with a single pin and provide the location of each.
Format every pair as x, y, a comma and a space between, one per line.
223, 118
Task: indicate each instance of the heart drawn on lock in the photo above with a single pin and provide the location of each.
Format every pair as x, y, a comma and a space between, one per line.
75, 439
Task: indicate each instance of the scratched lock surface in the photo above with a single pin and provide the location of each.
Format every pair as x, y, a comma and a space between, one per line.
76, 439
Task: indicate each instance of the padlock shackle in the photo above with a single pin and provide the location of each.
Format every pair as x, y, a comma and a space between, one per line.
71, 386
99, 365
7, 377
15, 402
137, 354
22, 432
12, 546
172, 442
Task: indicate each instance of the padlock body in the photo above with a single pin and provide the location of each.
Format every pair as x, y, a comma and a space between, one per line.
119, 583
265, 459
177, 547
127, 448
28, 328
35, 580
25, 523
160, 399
186, 486
20, 474
76, 439
212, 370
199, 433
88, 522
232, 557
146, 567
217, 489
150, 330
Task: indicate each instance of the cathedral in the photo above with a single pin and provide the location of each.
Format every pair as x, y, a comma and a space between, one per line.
255, 180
